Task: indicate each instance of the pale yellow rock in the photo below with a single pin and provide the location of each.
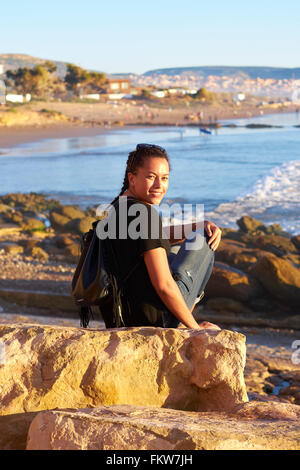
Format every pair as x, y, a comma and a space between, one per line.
47, 367
144, 428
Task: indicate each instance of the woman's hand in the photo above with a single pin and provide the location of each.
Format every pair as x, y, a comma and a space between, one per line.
214, 233
206, 325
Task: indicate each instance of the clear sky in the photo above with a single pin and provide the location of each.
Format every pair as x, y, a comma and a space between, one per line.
136, 36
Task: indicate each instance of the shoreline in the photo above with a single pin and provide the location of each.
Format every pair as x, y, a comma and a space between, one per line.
14, 136
17, 135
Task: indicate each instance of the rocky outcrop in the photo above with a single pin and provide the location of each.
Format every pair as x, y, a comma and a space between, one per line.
279, 277
47, 367
249, 224
251, 426
231, 282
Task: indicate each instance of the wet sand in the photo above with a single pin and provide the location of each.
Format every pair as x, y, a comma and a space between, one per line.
12, 137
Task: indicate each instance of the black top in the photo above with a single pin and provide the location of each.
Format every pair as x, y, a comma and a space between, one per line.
141, 305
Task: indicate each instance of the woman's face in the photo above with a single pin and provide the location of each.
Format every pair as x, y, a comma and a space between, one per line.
151, 181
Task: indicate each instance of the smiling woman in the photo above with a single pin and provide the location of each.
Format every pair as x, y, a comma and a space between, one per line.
162, 287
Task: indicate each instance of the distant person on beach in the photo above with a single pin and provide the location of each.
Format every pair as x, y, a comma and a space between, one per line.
163, 287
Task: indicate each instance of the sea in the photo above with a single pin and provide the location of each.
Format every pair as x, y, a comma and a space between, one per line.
233, 171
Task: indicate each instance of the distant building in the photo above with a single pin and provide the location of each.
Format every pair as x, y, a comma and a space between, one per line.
91, 96
13, 98
117, 85
158, 94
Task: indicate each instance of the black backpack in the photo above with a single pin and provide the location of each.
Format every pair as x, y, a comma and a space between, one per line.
97, 282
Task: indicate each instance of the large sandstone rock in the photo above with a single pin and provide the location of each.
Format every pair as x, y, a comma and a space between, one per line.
252, 426
279, 277
296, 241
275, 244
229, 282
236, 254
47, 367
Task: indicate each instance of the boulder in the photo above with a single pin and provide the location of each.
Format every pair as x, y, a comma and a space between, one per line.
276, 229
72, 212
11, 248
72, 252
275, 244
251, 426
9, 229
38, 253
63, 240
80, 226
229, 282
4, 208
47, 367
236, 254
279, 277
296, 241
249, 224
223, 304
32, 225
58, 221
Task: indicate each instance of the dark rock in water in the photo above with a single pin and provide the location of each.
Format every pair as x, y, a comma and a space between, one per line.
296, 241
261, 126
249, 224
279, 277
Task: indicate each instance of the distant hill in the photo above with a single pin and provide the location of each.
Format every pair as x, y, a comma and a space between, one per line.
277, 73
14, 61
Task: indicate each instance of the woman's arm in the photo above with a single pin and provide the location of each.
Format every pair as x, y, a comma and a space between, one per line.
178, 233
161, 278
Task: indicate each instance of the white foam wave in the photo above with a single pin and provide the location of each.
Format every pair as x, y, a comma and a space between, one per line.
275, 198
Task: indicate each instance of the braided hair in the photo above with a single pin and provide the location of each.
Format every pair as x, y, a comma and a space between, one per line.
136, 160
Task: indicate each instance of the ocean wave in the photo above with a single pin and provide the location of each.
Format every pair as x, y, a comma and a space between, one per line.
275, 198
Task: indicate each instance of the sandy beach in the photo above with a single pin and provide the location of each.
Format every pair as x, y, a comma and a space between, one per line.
31, 123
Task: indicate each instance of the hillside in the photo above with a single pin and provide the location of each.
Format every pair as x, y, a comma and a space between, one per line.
14, 61
277, 73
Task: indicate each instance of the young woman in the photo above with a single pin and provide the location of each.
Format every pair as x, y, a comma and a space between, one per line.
161, 287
